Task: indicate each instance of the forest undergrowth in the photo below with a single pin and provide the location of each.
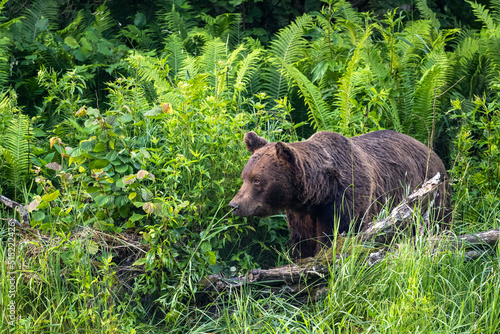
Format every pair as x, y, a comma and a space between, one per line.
122, 136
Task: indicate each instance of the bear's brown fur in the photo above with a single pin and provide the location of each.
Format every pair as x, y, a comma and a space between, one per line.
330, 175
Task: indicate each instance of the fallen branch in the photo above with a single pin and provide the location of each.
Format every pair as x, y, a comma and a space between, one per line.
484, 239
382, 231
13, 205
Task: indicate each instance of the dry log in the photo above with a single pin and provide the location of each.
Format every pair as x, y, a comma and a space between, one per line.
13, 205
484, 239
306, 279
382, 231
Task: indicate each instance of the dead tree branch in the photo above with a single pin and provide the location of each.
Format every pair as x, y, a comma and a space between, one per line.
14, 205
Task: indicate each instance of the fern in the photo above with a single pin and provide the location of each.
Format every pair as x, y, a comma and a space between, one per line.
41, 15
4, 63
176, 54
349, 85
289, 47
74, 28
351, 20
212, 60
435, 74
319, 114
151, 70
381, 75
479, 54
225, 26
427, 13
172, 22
483, 15
103, 20
190, 68
246, 68
494, 56
15, 151
495, 10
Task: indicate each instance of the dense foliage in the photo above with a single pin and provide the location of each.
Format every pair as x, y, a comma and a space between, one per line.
134, 124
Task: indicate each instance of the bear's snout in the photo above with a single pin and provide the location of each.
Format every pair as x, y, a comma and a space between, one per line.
233, 205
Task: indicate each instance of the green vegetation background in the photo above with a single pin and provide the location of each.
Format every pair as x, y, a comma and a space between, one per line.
121, 127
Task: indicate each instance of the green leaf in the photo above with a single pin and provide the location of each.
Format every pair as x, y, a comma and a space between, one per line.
91, 190
42, 24
121, 168
140, 20
212, 259
87, 146
140, 262
99, 147
37, 216
71, 42
135, 217
206, 246
103, 200
86, 46
98, 164
51, 197
126, 118
155, 113
92, 247
146, 194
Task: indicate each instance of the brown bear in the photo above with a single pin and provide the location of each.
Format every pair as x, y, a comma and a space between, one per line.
329, 176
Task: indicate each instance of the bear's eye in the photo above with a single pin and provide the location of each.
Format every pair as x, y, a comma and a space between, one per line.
256, 182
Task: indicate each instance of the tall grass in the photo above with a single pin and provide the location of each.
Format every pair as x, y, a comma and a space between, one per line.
414, 290
64, 287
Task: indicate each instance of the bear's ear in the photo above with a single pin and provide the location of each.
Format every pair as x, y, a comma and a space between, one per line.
285, 152
253, 142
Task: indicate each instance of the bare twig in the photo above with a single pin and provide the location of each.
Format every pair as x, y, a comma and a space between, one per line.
14, 205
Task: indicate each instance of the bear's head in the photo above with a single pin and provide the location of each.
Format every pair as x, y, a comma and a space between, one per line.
270, 183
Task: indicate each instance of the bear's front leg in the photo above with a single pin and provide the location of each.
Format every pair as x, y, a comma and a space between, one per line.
302, 234
324, 223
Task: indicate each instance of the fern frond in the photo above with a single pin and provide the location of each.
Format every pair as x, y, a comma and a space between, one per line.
246, 68
348, 85
318, 112
290, 42
212, 59
103, 20
76, 27
288, 47
482, 15
139, 38
176, 54
15, 142
225, 26
151, 70
427, 13
435, 74
467, 49
495, 10
350, 21
494, 57
190, 68
4, 63
173, 23
347, 12
36, 16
